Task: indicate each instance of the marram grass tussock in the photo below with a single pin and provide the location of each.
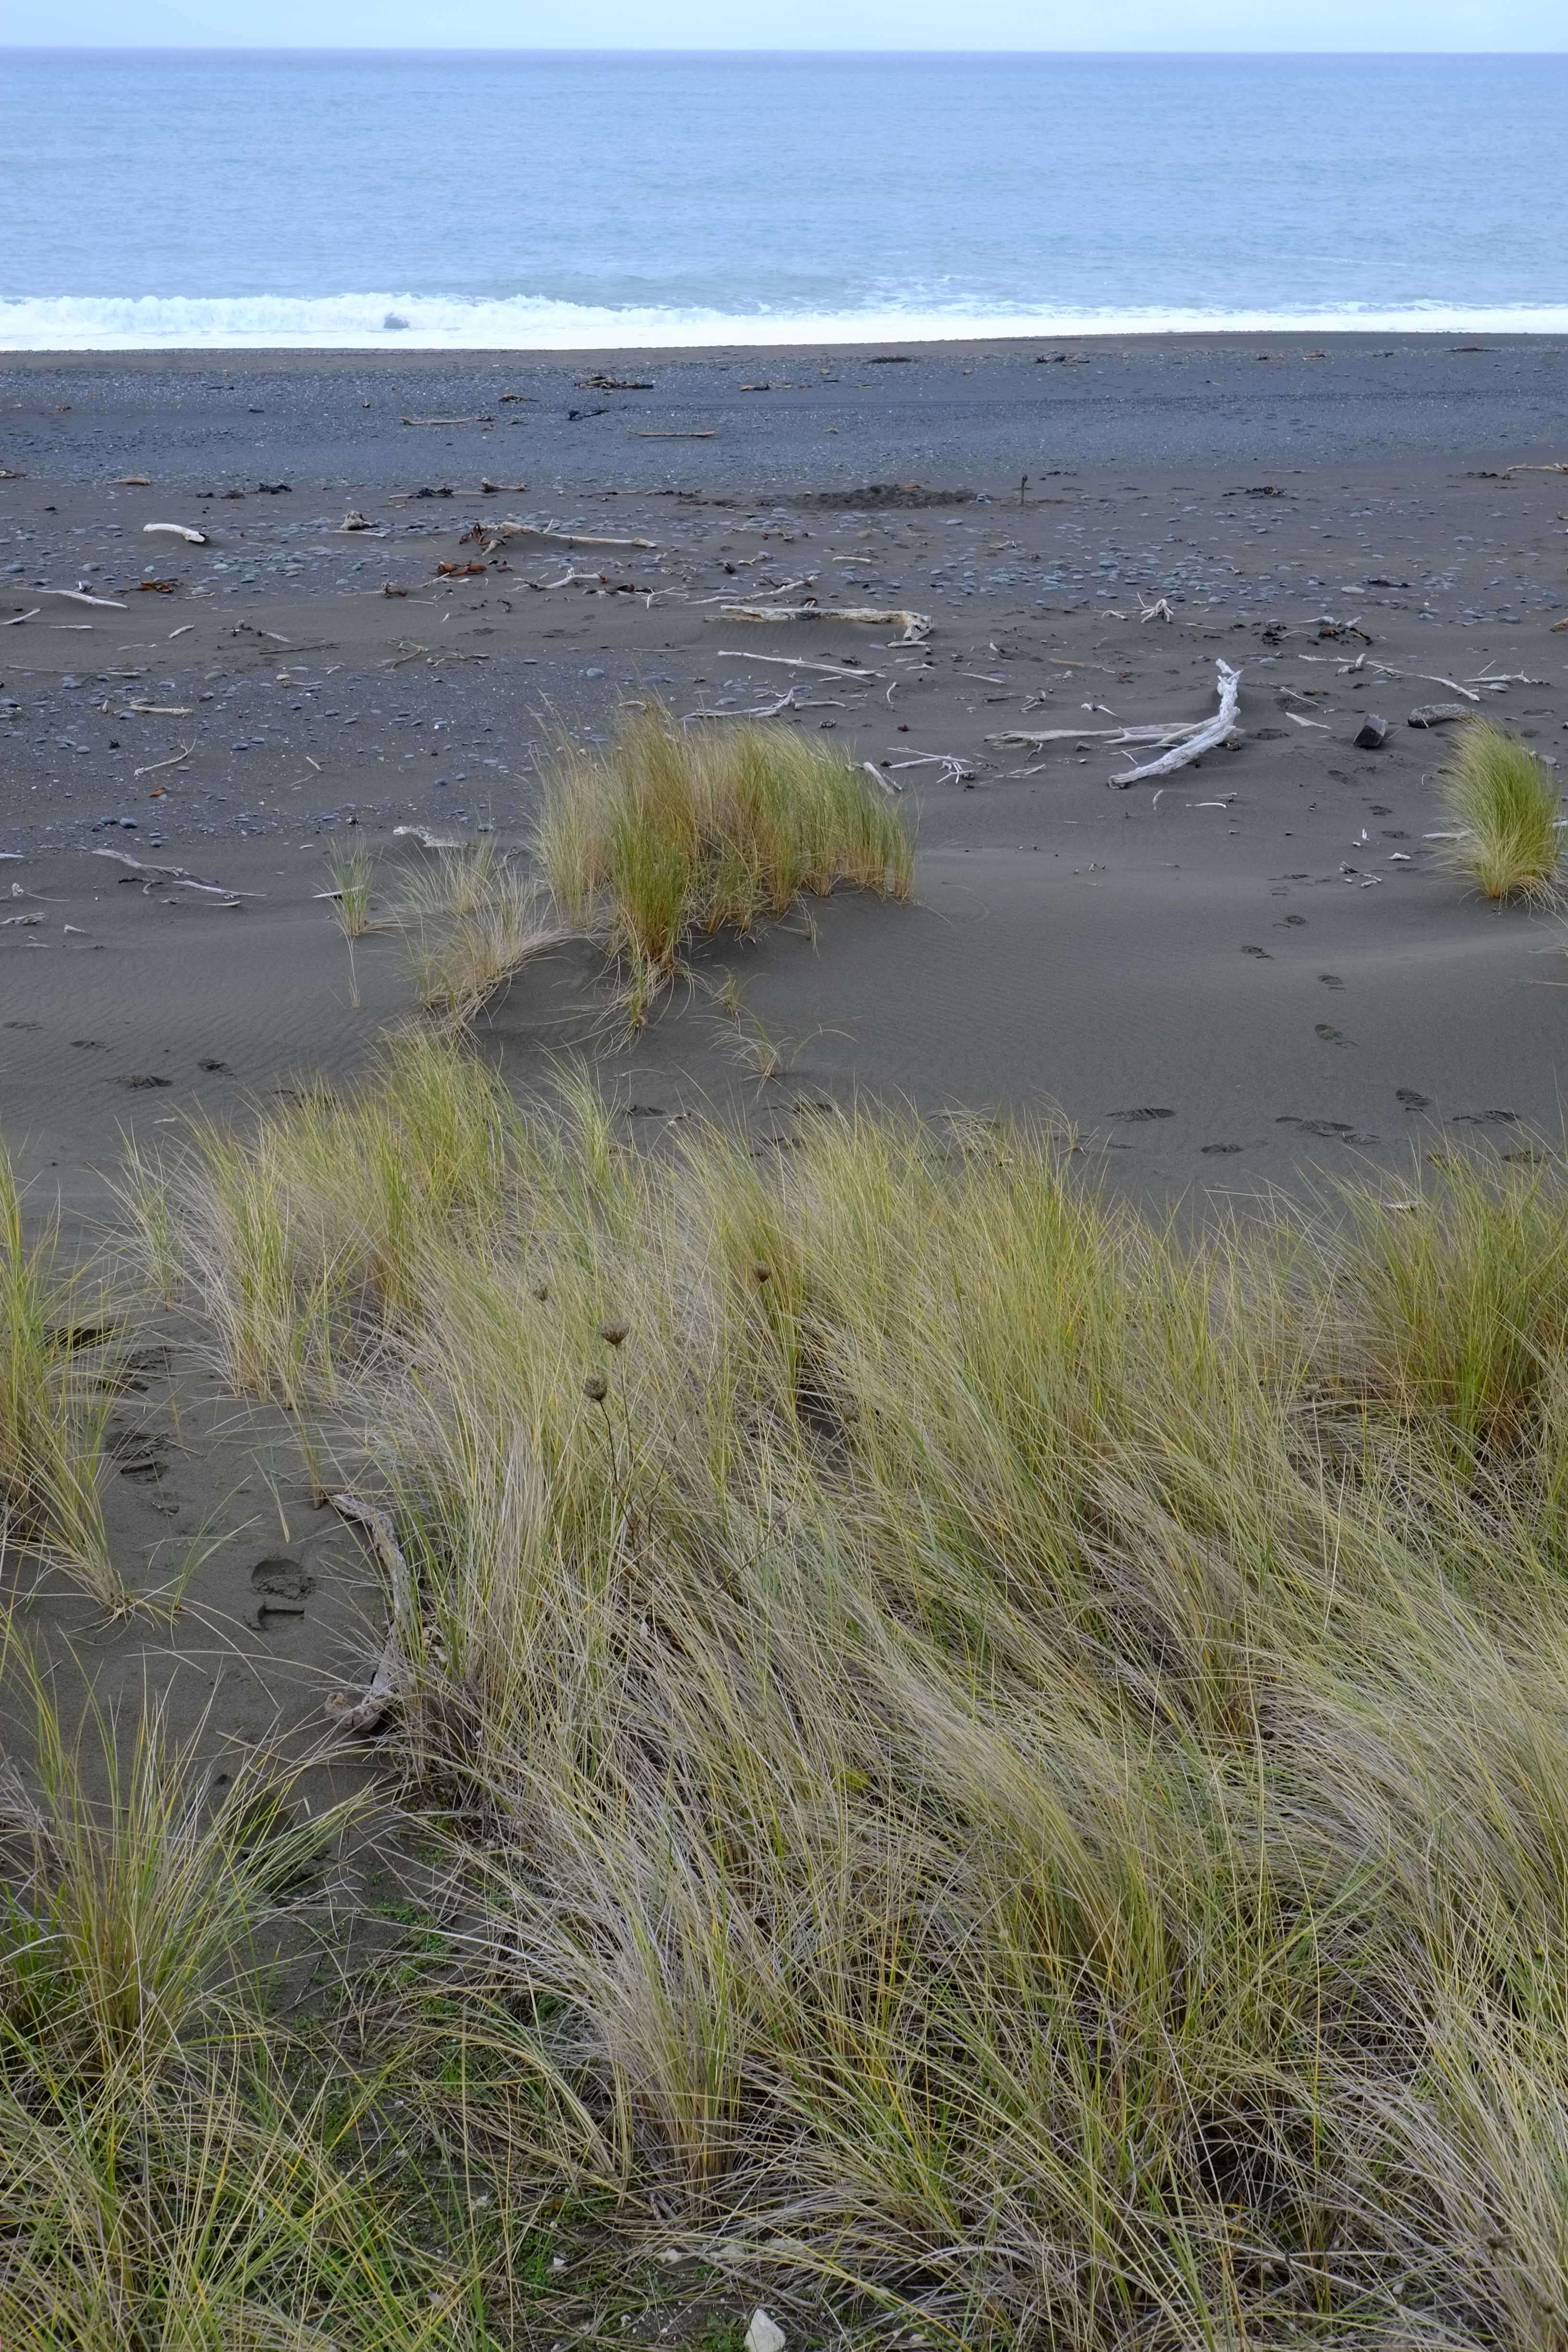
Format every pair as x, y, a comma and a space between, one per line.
1008, 1764
1508, 805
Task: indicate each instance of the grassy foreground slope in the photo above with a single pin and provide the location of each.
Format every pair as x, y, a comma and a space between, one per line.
992, 1769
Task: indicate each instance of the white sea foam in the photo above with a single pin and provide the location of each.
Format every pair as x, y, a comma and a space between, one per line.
535, 322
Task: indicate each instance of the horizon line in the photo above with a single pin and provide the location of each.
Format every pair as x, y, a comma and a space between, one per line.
217, 44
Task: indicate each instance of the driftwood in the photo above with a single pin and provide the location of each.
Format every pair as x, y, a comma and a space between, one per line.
174, 874
178, 761
1035, 739
794, 661
495, 532
426, 838
1183, 739
175, 531
17, 620
1208, 738
81, 596
364, 1714
917, 627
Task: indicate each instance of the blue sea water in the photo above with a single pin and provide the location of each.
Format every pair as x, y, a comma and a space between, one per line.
162, 199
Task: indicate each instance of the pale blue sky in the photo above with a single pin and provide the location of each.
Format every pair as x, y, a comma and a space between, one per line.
1096, 25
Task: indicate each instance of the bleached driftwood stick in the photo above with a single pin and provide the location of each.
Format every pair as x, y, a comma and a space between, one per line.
151, 769
1035, 739
81, 596
1207, 738
174, 874
916, 627
794, 661
175, 531
495, 532
364, 1714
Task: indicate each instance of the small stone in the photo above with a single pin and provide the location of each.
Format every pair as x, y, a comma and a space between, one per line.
764, 2334
1437, 714
1373, 732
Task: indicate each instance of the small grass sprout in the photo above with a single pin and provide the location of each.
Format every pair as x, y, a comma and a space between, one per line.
350, 866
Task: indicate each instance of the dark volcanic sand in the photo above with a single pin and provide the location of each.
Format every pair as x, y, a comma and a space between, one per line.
1296, 954
1268, 950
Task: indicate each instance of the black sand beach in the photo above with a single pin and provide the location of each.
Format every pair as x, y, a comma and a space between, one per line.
1268, 952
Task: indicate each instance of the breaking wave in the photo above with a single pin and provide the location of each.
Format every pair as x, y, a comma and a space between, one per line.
536, 323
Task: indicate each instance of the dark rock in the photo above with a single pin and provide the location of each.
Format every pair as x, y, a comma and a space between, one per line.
1373, 732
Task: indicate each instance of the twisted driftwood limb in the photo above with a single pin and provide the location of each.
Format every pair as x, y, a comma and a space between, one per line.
1181, 740
364, 1714
1207, 737
917, 627
493, 534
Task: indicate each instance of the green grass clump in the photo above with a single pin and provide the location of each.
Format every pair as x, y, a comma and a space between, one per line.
672, 833
173, 2176
1504, 798
1009, 1763
54, 1404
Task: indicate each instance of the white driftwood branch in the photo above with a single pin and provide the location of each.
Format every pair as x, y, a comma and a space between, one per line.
174, 874
426, 838
153, 768
1035, 739
81, 596
364, 1714
175, 531
496, 531
794, 661
916, 627
1207, 738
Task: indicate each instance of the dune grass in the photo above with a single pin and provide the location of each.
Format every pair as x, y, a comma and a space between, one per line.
1508, 804
174, 2175
54, 1404
350, 866
1006, 1769
674, 832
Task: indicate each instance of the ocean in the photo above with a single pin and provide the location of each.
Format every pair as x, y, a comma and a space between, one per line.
164, 199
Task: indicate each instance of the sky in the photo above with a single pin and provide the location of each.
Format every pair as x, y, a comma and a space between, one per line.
772, 25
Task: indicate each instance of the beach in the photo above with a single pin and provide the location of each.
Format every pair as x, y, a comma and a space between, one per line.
1269, 949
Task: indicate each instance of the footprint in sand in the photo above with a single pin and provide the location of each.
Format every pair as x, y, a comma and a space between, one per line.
1261, 953
1125, 1116
1411, 1099
1331, 979
283, 1586
1214, 1150
1330, 1036
1333, 1130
